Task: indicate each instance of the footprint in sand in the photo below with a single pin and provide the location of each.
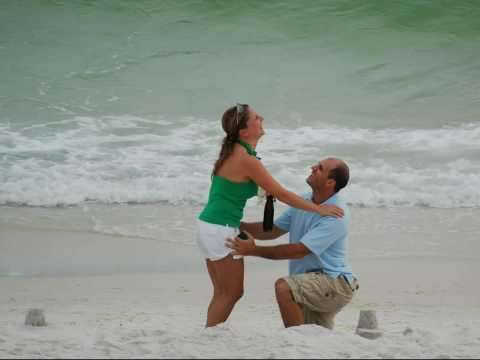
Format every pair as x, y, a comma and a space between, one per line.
158, 332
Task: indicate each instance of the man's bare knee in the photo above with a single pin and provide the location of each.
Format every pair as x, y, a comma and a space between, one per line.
283, 291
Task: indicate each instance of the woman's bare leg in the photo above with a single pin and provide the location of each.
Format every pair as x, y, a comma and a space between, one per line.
227, 279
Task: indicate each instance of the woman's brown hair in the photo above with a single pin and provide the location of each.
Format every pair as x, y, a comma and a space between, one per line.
234, 119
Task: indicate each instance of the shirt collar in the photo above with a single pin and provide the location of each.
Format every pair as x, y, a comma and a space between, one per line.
331, 200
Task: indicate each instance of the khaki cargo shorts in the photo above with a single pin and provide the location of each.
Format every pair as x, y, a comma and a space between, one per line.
321, 296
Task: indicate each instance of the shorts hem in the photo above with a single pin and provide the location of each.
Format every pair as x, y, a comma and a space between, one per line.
216, 258
294, 289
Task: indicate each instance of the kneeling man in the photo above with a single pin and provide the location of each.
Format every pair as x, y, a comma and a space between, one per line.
321, 282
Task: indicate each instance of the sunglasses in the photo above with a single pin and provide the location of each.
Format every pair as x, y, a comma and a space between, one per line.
240, 109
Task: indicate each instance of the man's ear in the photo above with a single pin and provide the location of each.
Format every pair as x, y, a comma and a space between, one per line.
331, 183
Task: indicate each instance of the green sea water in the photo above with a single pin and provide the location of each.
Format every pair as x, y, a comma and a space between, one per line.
114, 101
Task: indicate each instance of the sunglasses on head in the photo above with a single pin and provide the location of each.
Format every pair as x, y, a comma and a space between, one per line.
240, 109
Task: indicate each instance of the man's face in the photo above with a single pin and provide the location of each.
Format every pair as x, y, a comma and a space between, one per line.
318, 179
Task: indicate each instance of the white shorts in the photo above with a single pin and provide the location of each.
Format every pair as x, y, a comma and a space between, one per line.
211, 240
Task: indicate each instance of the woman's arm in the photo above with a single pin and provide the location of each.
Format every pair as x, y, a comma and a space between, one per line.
259, 174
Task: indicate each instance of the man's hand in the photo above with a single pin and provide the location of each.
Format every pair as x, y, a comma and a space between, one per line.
241, 247
256, 229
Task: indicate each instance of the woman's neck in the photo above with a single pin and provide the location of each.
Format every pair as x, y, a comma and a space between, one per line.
251, 142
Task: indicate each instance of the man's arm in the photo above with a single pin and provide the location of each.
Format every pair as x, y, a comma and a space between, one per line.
278, 252
256, 229
317, 240
281, 252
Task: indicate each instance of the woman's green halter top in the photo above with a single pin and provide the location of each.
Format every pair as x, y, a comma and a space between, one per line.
227, 199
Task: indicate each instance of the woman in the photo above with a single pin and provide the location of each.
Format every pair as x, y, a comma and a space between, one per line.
236, 176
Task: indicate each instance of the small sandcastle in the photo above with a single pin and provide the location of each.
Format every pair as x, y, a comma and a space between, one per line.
35, 317
368, 325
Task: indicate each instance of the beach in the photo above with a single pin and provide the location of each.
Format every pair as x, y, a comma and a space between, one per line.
158, 311
110, 124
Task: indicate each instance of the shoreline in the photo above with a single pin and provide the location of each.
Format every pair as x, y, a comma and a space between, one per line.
161, 238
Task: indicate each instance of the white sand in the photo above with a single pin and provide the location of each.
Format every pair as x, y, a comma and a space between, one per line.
161, 314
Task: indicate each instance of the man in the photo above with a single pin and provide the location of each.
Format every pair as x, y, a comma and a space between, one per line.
321, 282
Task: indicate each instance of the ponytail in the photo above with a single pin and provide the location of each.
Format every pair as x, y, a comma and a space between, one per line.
231, 128
227, 149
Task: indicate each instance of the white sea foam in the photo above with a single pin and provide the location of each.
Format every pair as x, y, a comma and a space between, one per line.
131, 159
466, 137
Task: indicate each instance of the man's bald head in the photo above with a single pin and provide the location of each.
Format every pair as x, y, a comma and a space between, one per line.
329, 176
339, 172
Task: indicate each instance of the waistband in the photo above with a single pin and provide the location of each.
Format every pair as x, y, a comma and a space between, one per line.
353, 286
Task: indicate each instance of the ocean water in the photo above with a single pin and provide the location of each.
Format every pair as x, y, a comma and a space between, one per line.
119, 102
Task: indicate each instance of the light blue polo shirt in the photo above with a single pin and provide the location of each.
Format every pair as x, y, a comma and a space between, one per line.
325, 236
